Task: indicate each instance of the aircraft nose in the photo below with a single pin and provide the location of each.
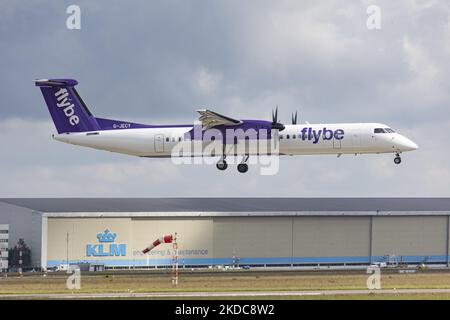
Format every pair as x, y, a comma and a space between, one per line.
404, 144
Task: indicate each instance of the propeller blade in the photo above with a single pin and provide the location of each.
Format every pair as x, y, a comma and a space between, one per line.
294, 118
275, 115
275, 124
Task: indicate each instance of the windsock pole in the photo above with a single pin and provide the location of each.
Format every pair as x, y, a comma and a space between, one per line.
167, 239
175, 260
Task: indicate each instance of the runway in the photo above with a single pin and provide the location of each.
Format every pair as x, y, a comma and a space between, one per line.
193, 295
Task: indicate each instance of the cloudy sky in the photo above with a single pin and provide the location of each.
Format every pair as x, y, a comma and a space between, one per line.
159, 61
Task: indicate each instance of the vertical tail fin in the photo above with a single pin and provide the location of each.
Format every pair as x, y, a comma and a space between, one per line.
68, 111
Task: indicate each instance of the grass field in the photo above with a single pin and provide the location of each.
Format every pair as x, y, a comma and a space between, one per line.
224, 281
403, 296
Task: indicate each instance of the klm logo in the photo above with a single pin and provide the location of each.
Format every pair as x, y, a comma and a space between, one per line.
106, 246
65, 103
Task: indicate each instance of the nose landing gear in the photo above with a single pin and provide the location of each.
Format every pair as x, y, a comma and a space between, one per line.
397, 159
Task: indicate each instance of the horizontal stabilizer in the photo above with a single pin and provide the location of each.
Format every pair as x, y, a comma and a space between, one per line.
56, 82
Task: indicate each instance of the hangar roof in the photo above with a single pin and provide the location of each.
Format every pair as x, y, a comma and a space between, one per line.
231, 205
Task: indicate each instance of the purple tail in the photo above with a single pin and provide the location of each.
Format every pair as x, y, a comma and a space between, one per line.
68, 111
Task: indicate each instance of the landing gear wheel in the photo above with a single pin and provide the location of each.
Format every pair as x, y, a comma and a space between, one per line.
242, 167
222, 165
397, 160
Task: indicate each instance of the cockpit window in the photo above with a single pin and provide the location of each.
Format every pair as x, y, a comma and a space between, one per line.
383, 130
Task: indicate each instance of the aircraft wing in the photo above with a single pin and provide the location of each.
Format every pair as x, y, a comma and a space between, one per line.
211, 119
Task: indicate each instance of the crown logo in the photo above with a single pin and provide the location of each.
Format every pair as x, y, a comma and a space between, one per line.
106, 236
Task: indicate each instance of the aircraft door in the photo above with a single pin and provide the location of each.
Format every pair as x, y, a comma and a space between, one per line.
337, 144
159, 143
357, 139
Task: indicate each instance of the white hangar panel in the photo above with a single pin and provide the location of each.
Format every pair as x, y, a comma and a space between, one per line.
252, 237
409, 236
331, 236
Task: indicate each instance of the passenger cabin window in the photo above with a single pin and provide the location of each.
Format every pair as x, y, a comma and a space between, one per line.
287, 136
167, 139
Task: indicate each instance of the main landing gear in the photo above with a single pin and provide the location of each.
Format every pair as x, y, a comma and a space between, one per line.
222, 164
242, 167
397, 159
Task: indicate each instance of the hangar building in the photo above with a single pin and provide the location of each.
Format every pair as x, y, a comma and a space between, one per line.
226, 231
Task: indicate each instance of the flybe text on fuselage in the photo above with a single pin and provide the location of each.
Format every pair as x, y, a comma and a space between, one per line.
64, 102
327, 134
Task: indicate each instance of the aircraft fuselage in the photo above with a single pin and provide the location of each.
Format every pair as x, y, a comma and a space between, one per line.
303, 139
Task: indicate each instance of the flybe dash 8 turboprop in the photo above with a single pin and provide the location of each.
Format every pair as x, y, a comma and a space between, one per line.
75, 124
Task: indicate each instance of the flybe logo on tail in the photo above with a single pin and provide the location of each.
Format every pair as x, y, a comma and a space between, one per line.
63, 102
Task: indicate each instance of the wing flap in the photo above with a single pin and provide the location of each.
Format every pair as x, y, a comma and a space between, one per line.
212, 119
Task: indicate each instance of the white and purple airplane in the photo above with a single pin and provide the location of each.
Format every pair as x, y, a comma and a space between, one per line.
77, 125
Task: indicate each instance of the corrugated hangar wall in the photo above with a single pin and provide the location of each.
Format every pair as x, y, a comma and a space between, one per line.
250, 240
410, 236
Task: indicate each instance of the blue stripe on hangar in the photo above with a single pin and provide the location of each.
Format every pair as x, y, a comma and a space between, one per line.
256, 260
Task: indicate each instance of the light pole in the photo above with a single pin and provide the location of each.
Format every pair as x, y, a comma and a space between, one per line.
67, 250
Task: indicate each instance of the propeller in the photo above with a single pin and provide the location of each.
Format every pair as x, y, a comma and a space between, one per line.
275, 124
294, 118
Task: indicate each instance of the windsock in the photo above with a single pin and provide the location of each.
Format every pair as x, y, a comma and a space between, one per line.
157, 242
